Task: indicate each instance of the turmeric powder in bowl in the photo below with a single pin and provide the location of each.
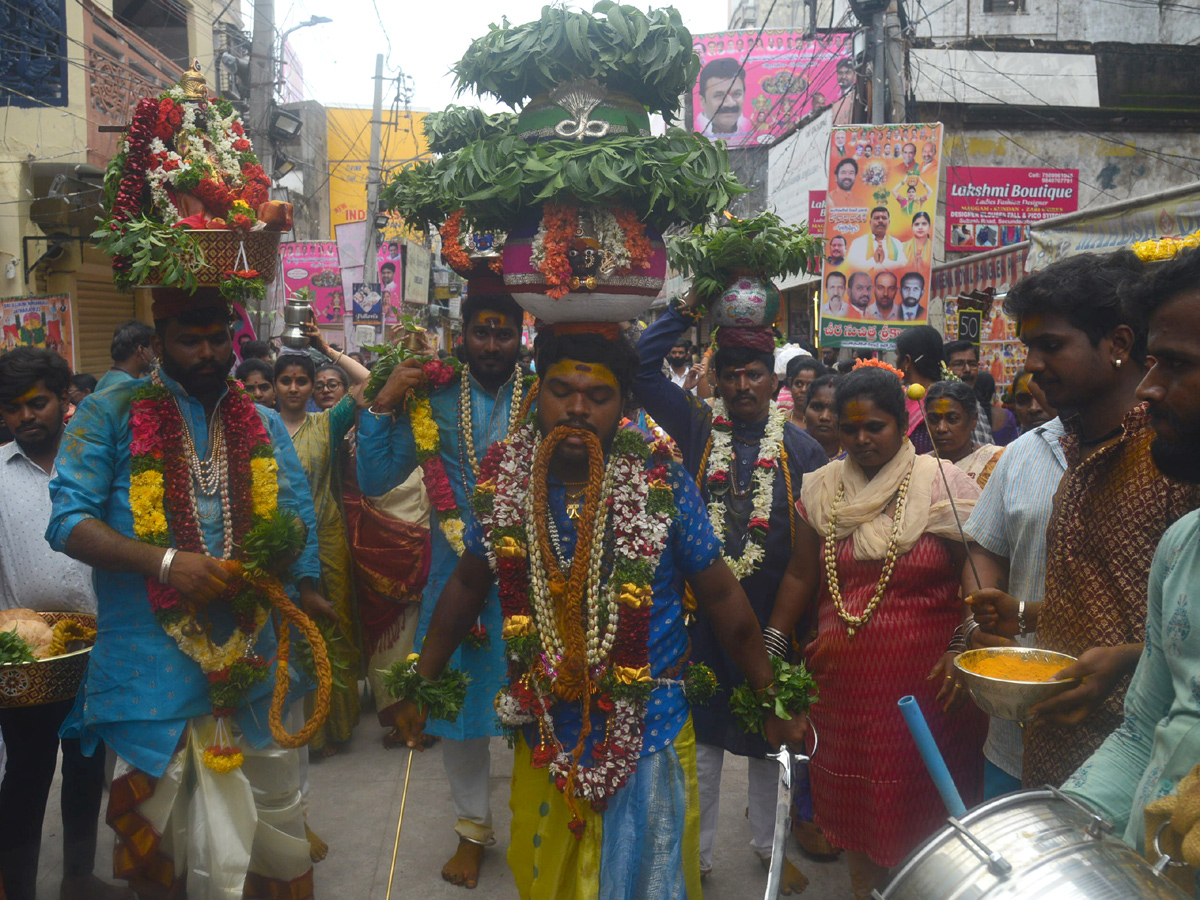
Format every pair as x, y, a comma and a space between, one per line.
1015, 668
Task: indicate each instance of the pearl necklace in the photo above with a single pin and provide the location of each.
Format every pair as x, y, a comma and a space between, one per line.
466, 431
210, 475
853, 623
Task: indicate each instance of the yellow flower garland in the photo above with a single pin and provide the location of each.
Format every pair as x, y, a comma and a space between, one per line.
264, 485
146, 496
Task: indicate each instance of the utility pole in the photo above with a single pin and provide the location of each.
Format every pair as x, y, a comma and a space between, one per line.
878, 71
893, 41
262, 81
374, 180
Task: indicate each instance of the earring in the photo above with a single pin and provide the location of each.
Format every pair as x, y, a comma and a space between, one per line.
1117, 362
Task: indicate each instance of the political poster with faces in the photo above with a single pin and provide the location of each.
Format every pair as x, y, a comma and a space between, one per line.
879, 209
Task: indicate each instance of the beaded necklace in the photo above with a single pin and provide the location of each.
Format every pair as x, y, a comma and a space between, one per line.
853, 623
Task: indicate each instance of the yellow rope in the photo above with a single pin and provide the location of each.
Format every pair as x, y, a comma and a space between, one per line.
274, 592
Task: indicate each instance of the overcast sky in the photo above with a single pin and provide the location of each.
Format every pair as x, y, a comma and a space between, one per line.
426, 37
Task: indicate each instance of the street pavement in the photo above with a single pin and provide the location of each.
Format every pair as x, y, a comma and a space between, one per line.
355, 801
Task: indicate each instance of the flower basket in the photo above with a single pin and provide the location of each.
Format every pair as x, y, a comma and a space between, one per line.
220, 248
46, 680
592, 278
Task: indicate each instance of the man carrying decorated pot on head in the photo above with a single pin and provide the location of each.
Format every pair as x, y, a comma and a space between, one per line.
598, 687
464, 418
749, 462
174, 487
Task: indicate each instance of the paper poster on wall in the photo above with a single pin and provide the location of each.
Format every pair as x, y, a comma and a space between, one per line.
754, 85
314, 265
42, 320
993, 206
879, 208
368, 305
1000, 350
243, 329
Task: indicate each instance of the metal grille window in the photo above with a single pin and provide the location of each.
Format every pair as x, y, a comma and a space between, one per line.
33, 53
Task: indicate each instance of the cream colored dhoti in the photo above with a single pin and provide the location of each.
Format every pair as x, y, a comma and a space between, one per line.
219, 836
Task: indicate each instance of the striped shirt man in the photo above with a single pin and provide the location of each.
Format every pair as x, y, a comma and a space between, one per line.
1010, 520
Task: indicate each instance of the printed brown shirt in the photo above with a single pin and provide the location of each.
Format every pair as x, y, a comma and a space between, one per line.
1110, 511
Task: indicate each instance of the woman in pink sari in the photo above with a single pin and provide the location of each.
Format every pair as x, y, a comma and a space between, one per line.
877, 549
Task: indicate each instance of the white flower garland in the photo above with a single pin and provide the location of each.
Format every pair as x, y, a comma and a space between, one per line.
770, 451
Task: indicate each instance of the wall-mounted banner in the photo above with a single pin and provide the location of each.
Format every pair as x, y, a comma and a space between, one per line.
883, 193
753, 86
39, 321
993, 206
314, 265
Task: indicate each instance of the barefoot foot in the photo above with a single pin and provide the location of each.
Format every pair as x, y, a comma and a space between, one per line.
463, 867
317, 848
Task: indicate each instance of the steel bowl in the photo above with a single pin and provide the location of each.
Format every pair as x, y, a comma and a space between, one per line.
1006, 699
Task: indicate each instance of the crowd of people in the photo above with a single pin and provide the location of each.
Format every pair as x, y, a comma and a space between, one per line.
827, 514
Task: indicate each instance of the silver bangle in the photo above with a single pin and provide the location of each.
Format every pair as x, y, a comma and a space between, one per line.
1021, 617
777, 642
373, 411
164, 567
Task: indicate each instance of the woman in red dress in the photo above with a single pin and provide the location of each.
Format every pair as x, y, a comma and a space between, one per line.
884, 630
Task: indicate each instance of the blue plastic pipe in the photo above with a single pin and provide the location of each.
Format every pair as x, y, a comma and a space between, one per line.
931, 755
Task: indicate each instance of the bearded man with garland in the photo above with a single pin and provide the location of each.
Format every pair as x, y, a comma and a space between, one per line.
749, 462
594, 626
470, 414
157, 548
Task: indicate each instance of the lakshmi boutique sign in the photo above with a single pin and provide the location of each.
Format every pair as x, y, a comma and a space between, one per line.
993, 206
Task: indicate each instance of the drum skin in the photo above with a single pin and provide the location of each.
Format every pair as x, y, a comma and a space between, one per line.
1045, 838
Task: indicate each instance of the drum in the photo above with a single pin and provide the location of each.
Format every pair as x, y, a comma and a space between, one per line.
1040, 844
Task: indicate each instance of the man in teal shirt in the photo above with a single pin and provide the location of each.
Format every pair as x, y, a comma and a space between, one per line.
131, 354
143, 696
1158, 742
471, 413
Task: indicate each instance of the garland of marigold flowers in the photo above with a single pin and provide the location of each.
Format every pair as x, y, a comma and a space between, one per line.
580, 636
560, 221
162, 503
636, 242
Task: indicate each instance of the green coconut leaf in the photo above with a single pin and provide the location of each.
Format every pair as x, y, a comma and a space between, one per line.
456, 126
645, 54
763, 244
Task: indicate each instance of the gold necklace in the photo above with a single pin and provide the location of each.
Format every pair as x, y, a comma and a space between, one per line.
575, 501
853, 623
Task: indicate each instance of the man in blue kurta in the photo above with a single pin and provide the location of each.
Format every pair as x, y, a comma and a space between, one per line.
387, 455
630, 834
746, 385
180, 825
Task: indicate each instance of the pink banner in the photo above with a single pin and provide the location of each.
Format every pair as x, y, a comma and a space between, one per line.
816, 213
751, 91
314, 265
993, 206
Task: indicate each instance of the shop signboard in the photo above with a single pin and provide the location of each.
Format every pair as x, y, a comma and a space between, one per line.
1000, 350
816, 212
879, 208
755, 85
1175, 212
993, 206
41, 320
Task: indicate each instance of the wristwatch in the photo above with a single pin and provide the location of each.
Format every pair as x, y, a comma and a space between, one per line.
1021, 629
